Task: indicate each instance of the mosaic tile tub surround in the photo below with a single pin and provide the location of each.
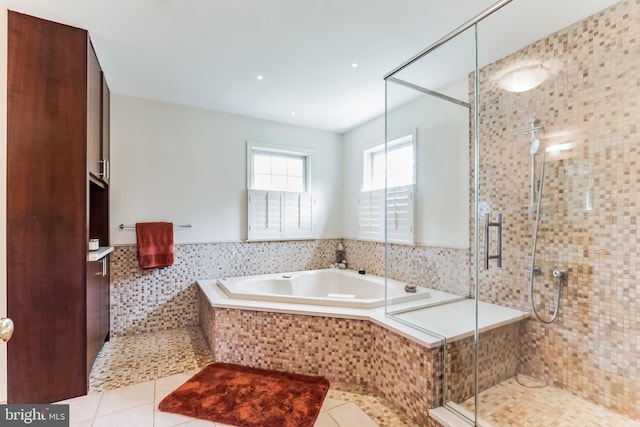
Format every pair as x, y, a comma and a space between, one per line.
352, 351
590, 204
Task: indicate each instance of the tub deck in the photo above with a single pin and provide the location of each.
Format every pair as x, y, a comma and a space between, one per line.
444, 316
332, 287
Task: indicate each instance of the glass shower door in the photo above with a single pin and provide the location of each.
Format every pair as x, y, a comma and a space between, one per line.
550, 131
431, 98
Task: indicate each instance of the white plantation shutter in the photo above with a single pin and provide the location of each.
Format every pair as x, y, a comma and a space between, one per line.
400, 214
298, 215
400, 208
371, 215
265, 214
275, 215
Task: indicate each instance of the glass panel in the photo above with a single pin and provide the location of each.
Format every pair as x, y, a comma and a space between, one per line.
279, 172
295, 167
432, 96
279, 182
377, 170
553, 132
553, 150
261, 164
262, 182
279, 165
295, 184
400, 166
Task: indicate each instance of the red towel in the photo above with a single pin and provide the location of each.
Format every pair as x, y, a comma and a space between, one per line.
155, 244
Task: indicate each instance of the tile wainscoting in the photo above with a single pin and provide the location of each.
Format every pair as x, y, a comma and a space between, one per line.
144, 301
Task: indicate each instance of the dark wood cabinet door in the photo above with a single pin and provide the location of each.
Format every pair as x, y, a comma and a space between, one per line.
106, 130
47, 190
95, 163
94, 284
104, 302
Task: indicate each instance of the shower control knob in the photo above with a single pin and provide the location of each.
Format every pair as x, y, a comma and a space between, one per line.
559, 273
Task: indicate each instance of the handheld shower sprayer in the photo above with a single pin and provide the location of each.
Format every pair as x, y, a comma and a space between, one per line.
534, 127
535, 145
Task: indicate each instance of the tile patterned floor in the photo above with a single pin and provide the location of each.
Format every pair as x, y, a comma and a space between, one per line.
132, 374
511, 404
137, 406
139, 358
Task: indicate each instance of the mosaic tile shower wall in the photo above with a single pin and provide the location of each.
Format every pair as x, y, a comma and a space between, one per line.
154, 300
590, 107
497, 356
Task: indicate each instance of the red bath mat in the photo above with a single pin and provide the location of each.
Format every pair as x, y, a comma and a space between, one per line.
249, 397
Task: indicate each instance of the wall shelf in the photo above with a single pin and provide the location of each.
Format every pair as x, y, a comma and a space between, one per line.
97, 255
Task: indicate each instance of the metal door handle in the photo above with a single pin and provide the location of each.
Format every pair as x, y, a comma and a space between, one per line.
6, 329
498, 255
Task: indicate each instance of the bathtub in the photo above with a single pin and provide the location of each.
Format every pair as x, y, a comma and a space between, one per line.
329, 287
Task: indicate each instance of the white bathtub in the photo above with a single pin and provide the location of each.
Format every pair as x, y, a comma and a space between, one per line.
332, 287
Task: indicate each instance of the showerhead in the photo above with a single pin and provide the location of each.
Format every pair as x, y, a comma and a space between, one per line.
535, 145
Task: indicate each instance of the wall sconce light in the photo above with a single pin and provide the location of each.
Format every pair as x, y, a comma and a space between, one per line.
524, 78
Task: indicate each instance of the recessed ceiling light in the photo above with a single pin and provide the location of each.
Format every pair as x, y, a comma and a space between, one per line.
354, 65
293, 113
259, 77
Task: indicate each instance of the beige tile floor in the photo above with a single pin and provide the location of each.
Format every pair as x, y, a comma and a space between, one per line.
137, 406
513, 405
132, 374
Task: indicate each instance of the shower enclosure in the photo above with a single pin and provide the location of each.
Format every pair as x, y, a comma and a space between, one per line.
525, 196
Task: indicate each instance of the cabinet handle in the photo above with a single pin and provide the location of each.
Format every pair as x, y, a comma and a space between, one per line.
105, 168
103, 273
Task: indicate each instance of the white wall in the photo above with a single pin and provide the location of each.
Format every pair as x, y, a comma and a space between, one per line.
175, 163
442, 205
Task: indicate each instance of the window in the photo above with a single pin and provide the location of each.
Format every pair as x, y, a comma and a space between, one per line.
278, 171
280, 202
399, 167
400, 164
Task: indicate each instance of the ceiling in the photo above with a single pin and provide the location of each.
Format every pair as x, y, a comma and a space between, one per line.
208, 53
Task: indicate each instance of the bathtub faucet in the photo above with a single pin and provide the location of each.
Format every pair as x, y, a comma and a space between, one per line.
341, 265
340, 257
410, 288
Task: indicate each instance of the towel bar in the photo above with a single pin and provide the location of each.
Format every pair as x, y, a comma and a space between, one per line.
133, 227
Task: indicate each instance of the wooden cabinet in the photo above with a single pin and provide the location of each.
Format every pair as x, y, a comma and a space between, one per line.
94, 114
97, 272
97, 119
52, 82
97, 307
94, 279
105, 305
106, 131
